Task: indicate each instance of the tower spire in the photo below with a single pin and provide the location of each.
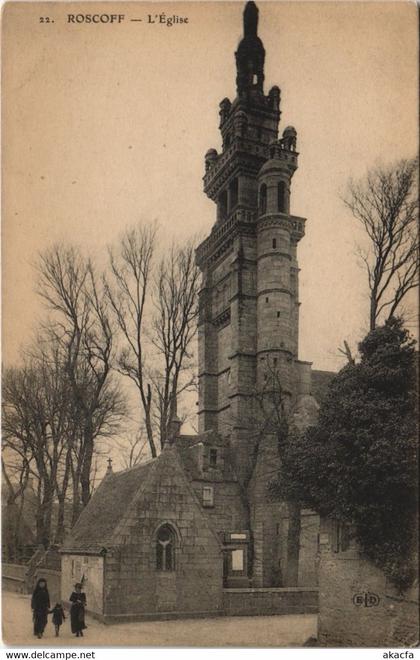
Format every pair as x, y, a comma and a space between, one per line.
250, 19
250, 55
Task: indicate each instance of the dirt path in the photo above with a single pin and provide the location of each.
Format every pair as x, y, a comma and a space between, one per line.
276, 631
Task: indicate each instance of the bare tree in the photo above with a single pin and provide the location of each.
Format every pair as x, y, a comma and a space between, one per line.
166, 337
174, 328
346, 350
127, 290
274, 415
270, 420
81, 325
386, 204
32, 428
16, 474
133, 448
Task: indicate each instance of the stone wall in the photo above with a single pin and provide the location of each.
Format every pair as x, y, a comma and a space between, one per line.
134, 587
357, 604
227, 513
89, 567
13, 578
254, 602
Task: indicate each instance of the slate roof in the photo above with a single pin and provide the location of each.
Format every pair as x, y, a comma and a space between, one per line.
320, 382
98, 521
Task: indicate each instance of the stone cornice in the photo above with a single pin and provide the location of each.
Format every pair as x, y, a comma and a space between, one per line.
221, 237
223, 319
291, 223
246, 155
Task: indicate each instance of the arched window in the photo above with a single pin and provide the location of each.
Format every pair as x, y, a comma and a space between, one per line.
165, 548
281, 196
263, 199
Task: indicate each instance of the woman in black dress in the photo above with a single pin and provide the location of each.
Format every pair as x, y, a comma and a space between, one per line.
77, 610
40, 604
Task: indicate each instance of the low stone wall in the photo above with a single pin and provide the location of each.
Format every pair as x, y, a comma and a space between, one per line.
13, 578
264, 601
358, 606
15, 584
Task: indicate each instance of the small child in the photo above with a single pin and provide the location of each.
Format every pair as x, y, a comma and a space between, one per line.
58, 617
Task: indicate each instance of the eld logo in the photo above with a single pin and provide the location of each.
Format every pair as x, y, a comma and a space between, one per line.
366, 600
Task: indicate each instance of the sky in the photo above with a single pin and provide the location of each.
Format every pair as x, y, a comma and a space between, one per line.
107, 125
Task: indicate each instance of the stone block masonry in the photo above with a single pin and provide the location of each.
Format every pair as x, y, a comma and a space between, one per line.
251, 602
358, 606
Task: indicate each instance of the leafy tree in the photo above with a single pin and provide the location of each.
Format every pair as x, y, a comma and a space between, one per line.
358, 464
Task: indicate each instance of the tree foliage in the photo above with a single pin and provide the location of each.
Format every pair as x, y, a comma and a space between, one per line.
359, 464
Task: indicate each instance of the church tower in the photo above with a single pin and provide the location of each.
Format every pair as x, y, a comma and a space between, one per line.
249, 306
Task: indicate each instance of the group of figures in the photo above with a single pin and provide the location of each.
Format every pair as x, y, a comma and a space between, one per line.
41, 607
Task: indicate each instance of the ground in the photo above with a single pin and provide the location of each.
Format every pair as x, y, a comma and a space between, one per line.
274, 631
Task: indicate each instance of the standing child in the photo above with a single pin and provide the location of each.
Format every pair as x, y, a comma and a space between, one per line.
58, 617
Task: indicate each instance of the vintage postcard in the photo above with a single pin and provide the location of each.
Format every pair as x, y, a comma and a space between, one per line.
209, 322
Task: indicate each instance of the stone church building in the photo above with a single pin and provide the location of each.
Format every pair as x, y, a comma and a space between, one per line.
194, 531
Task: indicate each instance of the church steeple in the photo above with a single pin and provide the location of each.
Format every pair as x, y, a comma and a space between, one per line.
250, 19
250, 55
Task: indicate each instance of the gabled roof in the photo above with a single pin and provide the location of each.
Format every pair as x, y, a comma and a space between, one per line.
320, 383
97, 522
102, 523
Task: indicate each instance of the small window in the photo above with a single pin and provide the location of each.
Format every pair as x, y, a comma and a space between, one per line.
340, 536
165, 549
208, 496
213, 457
274, 243
233, 194
263, 199
275, 361
266, 300
278, 315
281, 197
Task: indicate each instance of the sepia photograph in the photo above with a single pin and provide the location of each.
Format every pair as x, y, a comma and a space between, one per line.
210, 269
